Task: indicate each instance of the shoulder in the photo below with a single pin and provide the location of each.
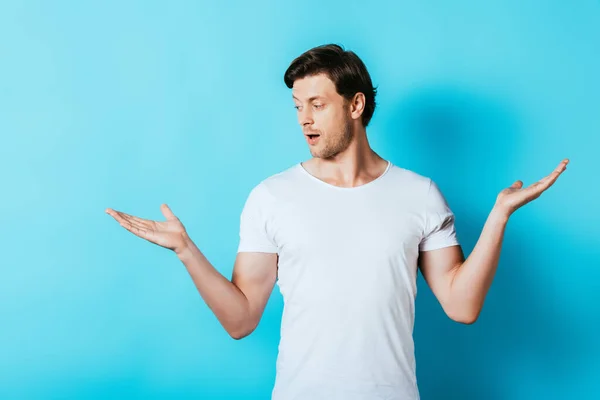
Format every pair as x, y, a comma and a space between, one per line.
410, 180
409, 175
276, 184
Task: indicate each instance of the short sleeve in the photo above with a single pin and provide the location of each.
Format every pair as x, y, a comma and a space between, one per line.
439, 229
255, 220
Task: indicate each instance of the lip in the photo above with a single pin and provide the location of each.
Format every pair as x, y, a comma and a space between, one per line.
312, 141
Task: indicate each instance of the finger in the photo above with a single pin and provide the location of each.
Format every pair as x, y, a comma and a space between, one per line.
136, 230
534, 190
135, 221
517, 185
118, 216
125, 221
140, 221
137, 224
167, 212
132, 218
543, 184
114, 214
549, 180
559, 169
131, 225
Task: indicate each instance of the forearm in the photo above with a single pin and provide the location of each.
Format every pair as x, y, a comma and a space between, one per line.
472, 280
226, 300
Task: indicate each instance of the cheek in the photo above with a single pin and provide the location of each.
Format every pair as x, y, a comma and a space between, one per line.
330, 120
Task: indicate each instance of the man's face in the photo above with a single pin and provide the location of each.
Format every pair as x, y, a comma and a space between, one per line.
322, 111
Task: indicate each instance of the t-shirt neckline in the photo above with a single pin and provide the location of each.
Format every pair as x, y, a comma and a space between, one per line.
329, 185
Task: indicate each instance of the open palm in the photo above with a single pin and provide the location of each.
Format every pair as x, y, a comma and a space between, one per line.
170, 234
515, 196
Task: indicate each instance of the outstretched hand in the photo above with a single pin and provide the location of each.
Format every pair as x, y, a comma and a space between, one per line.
170, 234
512, 198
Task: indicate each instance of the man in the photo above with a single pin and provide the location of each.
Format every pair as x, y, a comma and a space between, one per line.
343, 235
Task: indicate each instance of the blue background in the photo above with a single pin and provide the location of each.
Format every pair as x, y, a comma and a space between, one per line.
131, 104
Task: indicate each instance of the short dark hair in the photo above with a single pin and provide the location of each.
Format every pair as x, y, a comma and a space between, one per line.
343, 67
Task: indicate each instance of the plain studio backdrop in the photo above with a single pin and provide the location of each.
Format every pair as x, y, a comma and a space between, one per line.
132, 104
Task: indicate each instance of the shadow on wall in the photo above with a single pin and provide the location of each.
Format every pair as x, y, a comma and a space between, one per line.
522, 340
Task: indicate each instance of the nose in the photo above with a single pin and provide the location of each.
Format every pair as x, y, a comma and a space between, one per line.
305, 118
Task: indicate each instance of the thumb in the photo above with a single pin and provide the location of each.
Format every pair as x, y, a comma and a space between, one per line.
517, 185
167, 212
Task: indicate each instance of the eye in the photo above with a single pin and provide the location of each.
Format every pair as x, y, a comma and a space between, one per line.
318, 106
296, 107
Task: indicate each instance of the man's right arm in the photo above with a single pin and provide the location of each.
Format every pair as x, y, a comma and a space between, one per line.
238, 304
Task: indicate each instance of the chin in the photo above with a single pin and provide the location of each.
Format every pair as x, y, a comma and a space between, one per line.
322, 155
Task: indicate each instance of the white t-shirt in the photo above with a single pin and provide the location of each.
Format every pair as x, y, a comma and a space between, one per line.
347, 273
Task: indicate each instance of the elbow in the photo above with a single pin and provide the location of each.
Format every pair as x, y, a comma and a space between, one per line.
464, 316
467, 320
238, 334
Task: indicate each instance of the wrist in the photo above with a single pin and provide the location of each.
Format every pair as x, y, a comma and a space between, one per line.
185, 247
499, 215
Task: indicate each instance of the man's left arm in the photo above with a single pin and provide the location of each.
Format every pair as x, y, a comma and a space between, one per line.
461, 285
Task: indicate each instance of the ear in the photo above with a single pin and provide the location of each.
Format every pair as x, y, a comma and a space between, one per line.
357, 105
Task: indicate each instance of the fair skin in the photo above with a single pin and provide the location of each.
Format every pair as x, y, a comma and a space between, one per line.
461, 285
343, 157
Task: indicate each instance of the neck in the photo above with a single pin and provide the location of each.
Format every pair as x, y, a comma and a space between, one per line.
355, 166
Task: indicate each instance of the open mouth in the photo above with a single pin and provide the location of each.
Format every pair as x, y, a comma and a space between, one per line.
312, 139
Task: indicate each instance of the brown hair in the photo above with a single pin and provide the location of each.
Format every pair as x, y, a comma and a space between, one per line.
345, 69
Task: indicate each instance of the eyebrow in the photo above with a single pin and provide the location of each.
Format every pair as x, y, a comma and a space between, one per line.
311, 99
